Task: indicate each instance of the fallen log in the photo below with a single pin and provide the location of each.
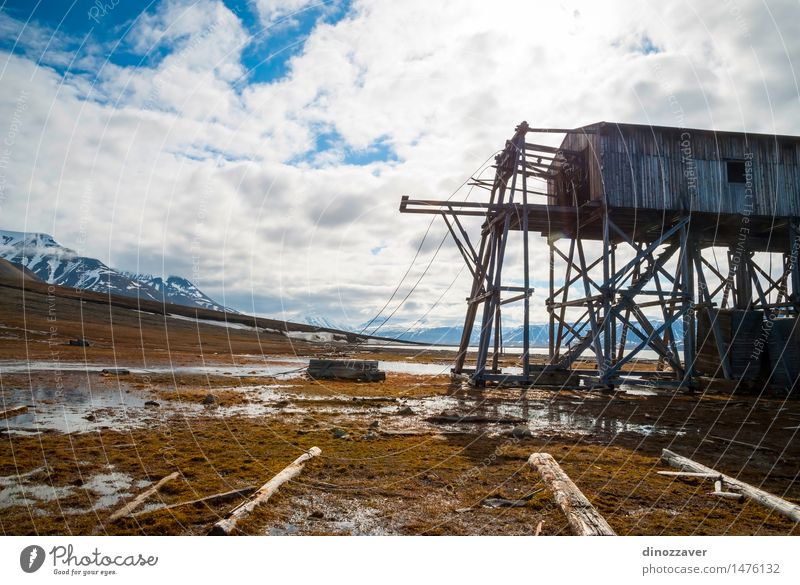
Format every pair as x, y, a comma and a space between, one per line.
582, 517
215, 498
759, 496
228, 524
128, 508
16, 411
449, 417
689, 474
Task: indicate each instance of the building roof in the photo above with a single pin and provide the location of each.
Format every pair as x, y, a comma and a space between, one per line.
654, 128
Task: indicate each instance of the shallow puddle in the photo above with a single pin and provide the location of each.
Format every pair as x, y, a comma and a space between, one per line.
111, 487
26, 490
76, 409
287, 367
107, 489
283, 366
332, 514
85, 405
81, 409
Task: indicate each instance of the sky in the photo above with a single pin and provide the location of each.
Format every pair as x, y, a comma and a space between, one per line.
260, 148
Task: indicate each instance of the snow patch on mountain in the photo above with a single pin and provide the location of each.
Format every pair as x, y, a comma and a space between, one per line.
57, 264
178, 290
316, 336
225, 324
325, 323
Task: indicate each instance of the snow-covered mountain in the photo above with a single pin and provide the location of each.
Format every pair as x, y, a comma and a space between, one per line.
56, 264
325, 323
512, 336
435, 335
178, 290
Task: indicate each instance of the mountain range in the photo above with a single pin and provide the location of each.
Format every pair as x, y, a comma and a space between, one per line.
512, 336
41, 255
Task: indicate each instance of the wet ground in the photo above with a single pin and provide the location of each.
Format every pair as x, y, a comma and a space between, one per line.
415, 454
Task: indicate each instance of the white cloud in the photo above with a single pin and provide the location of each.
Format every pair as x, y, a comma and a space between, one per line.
271, 11
442, 84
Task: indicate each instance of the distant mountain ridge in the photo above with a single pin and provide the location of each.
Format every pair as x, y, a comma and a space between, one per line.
539, 334
178, 290
53, 263
325, 323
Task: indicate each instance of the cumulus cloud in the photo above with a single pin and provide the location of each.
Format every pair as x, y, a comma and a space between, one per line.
181, 163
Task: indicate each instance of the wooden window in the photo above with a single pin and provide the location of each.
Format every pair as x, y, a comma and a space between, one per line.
788, 153
736, 171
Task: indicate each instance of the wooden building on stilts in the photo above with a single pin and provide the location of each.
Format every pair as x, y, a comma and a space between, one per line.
679, 241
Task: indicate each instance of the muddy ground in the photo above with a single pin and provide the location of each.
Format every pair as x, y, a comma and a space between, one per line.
416, 454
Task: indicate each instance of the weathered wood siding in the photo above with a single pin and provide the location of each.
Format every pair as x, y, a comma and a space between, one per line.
684, 169
784, 352
739, 330
588, 146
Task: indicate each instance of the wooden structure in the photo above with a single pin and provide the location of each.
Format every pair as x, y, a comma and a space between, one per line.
360, 370
650, 230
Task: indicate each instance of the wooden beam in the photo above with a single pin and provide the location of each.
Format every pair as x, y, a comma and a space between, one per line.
582, 517
16, 411
564, 130
227, 525
126, 510
759, 496
214, 498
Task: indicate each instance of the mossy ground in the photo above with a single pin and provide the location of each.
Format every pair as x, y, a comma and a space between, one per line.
428, 481
368, 482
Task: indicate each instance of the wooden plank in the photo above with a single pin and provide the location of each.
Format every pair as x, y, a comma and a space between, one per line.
126, 510
759, 496
227, 525
11, 412
583, 518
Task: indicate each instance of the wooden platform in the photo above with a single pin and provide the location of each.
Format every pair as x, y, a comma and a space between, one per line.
765, 234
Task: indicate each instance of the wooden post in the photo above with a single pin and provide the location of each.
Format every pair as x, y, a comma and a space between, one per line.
551, 339
139, 500
766, 499
583, 519
228, 524
689, 333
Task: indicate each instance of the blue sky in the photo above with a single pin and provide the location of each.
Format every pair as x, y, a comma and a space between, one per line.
107, 23
260, 148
